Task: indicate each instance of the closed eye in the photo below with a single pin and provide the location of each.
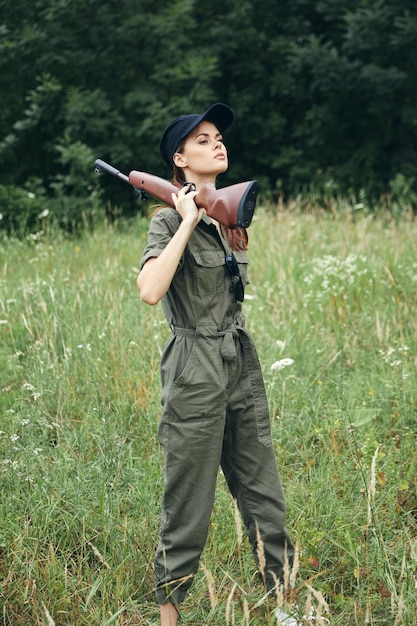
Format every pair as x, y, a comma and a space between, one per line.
203, 139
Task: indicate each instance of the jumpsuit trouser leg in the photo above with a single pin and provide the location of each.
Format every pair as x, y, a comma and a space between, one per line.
251, 472
190, 483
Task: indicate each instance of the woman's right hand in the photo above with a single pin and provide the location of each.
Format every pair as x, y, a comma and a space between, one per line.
186, 207
156, 275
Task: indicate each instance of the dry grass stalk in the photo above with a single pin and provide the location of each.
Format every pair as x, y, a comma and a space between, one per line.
400, 610
49, 619
295, 566
239, 533
279, 591
211, 586
260, 602
286, 570
229, 606
260, 553
403, 567
246, 611
372, 486
322, 604
309, 604
379, 332
98, 555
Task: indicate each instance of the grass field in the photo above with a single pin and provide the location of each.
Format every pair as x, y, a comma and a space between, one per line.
333, 304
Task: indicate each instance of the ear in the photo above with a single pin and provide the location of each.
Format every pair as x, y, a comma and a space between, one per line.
179, 159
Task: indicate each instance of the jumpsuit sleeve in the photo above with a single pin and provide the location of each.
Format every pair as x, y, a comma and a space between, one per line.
163, 226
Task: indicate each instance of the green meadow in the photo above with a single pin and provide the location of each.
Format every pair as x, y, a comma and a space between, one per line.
332, 306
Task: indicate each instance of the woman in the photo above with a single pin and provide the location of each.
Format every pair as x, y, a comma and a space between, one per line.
215, 411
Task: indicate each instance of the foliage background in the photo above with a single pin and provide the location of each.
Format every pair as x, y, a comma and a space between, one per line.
324, 92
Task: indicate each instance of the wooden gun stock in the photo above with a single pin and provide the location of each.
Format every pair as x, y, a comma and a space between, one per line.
232, 206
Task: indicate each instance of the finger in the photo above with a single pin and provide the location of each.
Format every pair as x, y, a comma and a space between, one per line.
191, 194
185, 190
189, 187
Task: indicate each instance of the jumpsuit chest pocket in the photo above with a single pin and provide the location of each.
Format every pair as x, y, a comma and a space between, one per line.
208, 272
242, 259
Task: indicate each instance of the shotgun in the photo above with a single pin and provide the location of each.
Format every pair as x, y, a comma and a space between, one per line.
232, 206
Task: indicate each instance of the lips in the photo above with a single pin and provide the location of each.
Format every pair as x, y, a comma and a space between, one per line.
220, 155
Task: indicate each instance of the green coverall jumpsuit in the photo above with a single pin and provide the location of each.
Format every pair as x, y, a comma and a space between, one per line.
215, 412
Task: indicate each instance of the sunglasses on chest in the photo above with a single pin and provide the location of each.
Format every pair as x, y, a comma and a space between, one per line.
237, 285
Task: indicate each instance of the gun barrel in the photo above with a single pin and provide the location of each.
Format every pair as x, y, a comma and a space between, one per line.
102, 166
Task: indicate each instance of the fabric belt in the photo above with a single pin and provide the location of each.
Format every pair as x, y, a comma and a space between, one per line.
227, 349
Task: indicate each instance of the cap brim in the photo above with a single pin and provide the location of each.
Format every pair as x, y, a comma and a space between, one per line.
220, 115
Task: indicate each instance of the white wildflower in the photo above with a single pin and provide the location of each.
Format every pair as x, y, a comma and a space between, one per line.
396, 363
86, 347
279, 365
8, 463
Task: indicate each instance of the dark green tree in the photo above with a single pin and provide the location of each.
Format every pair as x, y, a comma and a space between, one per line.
324, 93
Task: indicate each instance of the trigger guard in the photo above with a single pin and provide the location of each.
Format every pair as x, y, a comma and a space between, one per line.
191, 186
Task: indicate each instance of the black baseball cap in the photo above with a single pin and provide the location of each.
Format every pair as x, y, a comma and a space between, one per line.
219, 114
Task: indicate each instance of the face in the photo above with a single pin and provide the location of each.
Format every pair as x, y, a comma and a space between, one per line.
204, 153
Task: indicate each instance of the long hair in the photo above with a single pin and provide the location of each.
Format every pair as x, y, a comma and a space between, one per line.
238, 237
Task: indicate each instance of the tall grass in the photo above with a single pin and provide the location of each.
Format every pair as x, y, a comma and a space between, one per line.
332, 307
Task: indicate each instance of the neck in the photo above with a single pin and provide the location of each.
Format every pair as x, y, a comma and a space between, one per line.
197, 179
